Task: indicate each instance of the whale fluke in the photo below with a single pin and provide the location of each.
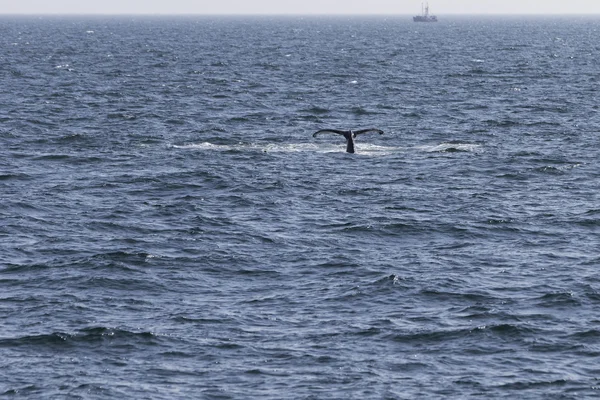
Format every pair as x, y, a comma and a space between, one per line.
337, 131
349, 135
360, 132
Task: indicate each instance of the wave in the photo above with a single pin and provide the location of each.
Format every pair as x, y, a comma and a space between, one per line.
315, 110
363, 149
361, 111
440, 336
254, 147
92, 335
557, 300
14, 176
452, 147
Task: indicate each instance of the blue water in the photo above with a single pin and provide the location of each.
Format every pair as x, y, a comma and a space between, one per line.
169, 228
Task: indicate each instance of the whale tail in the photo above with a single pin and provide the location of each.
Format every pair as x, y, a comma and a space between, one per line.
346, 134
336, 131
349, 135
360, 132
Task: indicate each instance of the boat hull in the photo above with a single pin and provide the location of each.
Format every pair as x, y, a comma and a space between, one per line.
420, 18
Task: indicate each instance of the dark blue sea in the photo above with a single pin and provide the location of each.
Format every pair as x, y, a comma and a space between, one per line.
170, 229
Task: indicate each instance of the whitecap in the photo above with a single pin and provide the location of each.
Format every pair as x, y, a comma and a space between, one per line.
201, 146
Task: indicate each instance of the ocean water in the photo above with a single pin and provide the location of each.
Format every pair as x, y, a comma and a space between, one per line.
169, 228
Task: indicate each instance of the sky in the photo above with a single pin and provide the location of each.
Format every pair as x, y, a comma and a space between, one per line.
390, 7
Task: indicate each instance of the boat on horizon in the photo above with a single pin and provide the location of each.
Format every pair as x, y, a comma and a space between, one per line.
425, 17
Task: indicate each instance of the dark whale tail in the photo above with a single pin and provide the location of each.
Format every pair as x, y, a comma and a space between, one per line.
349, 135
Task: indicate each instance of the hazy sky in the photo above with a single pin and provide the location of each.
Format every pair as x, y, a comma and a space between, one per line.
439, 7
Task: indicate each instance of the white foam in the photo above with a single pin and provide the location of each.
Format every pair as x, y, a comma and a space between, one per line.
279, 147
362, 148
202, 146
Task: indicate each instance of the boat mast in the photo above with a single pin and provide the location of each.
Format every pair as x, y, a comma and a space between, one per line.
425, 17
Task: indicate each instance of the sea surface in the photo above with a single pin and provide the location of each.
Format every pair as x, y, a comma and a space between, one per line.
169, 228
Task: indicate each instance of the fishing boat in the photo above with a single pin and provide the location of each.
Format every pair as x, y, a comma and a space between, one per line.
425, 17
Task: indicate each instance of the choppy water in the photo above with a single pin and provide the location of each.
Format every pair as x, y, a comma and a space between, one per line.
170, 228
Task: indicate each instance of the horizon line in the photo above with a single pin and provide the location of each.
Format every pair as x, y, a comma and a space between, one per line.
308, 14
